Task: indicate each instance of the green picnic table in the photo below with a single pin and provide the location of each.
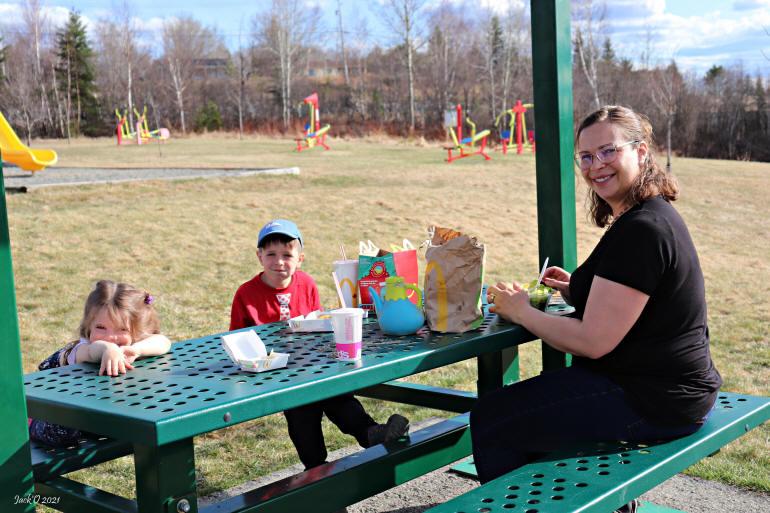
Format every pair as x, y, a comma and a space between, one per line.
158, 408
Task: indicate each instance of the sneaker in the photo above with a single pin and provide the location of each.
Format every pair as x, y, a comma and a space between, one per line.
631, 507
396, 427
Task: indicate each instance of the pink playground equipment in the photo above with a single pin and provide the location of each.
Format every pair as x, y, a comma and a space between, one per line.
517, 124
142, 134
466, 146
314, 133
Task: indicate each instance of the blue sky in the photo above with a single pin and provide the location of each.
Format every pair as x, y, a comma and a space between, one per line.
697, 33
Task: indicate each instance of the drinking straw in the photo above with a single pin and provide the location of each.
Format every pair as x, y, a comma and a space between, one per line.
339, 290
342, 251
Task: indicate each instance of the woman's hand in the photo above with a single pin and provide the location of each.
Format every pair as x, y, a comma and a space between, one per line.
557, 278
113, 361
508, 301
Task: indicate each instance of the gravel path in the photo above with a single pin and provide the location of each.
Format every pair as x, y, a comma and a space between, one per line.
17, 180
682, 492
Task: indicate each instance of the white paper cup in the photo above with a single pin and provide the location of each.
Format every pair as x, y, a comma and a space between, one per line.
347, 324
347, 275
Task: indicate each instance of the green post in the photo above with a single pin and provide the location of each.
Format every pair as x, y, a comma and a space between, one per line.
16, 483
552, 77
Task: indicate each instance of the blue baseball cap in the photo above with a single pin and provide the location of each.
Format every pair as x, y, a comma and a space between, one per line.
281, 226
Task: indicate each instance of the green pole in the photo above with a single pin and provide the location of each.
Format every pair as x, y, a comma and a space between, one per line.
552, 77
16, 485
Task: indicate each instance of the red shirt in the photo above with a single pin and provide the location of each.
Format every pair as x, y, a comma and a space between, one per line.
257, 303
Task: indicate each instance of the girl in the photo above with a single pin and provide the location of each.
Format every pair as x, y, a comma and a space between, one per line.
119, 325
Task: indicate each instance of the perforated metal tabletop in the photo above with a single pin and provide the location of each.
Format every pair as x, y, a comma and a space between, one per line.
196, 388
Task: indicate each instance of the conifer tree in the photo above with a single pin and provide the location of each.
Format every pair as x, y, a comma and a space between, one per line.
76, 77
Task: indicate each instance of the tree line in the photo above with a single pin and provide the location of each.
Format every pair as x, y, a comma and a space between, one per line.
64, 82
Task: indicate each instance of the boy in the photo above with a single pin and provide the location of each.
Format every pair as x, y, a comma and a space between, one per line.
278, 293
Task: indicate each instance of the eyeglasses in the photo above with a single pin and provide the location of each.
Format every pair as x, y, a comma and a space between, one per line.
606, 155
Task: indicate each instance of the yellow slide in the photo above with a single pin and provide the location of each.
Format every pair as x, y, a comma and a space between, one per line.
14, 151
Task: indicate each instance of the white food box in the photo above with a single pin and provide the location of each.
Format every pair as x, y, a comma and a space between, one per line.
247, 350
313, 322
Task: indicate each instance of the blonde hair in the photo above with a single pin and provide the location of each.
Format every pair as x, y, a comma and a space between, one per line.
650, 182
125, 304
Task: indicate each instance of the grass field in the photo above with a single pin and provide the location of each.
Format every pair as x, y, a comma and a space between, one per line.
191, 243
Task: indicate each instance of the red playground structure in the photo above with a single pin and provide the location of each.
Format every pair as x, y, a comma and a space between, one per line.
518, 124
314, 133
466, 146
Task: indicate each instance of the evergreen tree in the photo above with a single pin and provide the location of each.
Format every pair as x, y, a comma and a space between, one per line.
76, 77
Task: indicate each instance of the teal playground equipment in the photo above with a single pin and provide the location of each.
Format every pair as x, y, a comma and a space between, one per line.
517, 127
466, 146
314, 132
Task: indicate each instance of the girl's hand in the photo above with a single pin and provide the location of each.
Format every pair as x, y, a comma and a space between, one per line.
508, 301
558, 278
113, 361
130, 353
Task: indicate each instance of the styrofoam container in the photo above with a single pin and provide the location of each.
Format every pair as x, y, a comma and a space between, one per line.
247, 350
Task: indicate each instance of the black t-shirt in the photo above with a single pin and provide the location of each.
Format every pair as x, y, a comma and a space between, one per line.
663, 363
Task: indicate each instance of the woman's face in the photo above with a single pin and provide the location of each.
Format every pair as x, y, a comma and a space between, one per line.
610, 179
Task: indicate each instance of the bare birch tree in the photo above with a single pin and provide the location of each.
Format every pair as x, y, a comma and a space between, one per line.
36, 24
665, 90
282, 30
590, 23
185, 41
403, 18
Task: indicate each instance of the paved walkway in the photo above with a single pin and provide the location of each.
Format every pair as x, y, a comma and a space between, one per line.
17, 180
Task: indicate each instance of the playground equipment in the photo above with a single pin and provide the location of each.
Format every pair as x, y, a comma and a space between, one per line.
466, 146
13, 151
142, 134
124, 135
518, 122
314, 133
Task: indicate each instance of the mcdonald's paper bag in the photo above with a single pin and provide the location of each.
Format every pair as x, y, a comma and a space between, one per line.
375, 265
453, 280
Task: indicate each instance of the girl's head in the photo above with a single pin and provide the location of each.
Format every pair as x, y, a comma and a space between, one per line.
634, 132
119, 313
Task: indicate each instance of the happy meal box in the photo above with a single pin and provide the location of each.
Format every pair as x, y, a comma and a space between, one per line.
247, 350
375, 265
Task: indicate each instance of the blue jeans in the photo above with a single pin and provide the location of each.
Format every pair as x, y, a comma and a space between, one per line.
556, 410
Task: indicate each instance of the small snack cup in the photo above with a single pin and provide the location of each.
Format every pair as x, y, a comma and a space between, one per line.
539, 295
347, 324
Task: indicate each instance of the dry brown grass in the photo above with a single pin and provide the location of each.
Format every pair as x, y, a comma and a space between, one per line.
192, 243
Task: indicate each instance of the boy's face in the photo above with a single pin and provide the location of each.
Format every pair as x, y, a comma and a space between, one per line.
280, 261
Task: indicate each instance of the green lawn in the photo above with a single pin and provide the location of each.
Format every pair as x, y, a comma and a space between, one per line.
191, 243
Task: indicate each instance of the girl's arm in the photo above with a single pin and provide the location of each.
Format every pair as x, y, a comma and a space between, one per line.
112, 360
153, 345
611, 311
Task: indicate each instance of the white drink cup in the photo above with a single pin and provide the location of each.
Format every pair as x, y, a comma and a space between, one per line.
347, 275
347, 324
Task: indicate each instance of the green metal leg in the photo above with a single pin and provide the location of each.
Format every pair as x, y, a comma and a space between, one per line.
648, 507
165, 478
16, 484
497, 369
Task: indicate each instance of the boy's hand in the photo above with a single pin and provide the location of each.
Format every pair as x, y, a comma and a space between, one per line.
113, 361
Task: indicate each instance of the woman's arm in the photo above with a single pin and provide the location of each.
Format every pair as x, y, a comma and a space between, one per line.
611, 311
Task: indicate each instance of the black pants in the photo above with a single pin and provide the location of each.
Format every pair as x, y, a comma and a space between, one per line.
519, 423
345, 411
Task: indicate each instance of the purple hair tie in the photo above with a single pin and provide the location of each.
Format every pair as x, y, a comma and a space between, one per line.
148, 299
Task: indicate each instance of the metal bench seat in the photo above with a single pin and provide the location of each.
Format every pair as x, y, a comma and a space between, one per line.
603, 477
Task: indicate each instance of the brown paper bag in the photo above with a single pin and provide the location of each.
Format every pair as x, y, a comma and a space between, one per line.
453, 281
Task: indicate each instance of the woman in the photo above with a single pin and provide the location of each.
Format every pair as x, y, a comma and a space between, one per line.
641, 369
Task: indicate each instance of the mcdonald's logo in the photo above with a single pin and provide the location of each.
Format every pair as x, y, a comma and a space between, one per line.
443, 317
